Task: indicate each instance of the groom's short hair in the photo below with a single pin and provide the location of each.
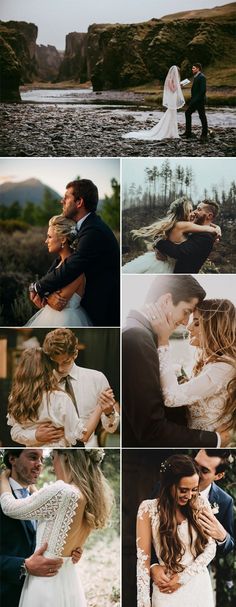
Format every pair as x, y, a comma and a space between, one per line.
182, 288
199, 65
7, 453
60, 341
86, 189
212, 206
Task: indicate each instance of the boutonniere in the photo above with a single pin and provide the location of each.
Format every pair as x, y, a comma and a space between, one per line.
215, 508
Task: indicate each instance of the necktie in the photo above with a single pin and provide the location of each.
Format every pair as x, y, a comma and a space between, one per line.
69, 390
25, 493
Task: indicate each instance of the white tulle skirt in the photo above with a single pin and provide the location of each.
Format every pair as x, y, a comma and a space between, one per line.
166, 128
149, 264
62, 590
73, 315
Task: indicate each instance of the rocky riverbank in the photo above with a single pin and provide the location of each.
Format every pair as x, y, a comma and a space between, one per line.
29, 129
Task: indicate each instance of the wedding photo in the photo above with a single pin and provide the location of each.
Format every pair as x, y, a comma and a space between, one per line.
125, 79
60, 387
178, 357
60, 521
178, 216
179, 508
60, 256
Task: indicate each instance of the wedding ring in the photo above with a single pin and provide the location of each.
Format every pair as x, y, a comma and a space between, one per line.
169, 591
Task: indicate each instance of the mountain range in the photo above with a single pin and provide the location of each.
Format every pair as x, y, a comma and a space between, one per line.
32, 190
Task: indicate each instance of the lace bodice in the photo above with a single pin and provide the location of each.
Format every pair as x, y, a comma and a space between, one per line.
205, 395
58, 409
54, 507
147, 534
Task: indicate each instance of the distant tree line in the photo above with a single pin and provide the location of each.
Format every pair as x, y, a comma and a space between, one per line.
164, 184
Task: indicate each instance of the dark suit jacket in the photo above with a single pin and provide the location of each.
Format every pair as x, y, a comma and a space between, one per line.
198, 91
190, 254
17, 544
98, 256
225, 516
145, 422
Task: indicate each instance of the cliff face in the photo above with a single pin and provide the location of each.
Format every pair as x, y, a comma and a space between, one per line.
18, 63
74, 64
128, 55
48, 60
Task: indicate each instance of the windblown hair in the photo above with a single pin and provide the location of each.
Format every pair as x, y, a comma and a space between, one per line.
178, 211
65, 227
172, 548
83, 469
218, 343
60, 341
33, 377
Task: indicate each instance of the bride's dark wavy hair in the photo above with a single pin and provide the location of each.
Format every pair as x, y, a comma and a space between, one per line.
172, 549
33, 377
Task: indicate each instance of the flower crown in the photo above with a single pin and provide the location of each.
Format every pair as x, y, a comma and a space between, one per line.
165, 466
96, 455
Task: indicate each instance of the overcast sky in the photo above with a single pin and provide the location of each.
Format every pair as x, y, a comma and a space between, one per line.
207, 171
56, 18
57, 172
135, 287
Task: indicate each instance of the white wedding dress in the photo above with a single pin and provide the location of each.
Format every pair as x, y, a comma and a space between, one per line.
58, 408
173, 99
59, 510
73, 315
196, 589
149, 264
166, 128
205, 395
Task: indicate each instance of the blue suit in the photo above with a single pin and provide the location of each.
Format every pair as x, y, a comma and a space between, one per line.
17, 543
224, 516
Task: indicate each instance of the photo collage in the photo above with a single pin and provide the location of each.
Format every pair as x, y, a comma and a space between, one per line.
117, 303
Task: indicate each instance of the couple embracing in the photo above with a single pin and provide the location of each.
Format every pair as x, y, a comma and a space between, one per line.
86, 270
159, 411
43, 532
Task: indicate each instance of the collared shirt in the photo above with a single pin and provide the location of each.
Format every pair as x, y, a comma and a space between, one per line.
16, 487
206, 492
87, 385
79, 223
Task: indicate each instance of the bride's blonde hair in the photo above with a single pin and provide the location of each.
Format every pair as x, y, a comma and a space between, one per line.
82, 467
217, 337
33, 377
65, 227
179, 211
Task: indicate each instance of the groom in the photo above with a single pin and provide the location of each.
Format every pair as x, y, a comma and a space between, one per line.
85, 387
197, 103
97, 256
17, 556
145, 421
191, 254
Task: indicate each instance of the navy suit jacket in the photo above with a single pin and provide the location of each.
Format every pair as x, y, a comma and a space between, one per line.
191, 254
16, 544
224, 516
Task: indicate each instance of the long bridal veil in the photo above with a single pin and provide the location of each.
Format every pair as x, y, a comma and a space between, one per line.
173, 99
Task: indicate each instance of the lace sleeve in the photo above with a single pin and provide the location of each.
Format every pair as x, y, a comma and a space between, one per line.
210, 381
42, 505
143, 555
110, 424
200, 563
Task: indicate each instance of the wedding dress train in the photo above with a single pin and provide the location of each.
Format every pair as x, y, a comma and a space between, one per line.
73, 315
166, 128
195, 589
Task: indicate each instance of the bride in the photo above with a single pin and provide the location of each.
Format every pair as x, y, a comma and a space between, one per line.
62, 239
173, 227
171, 524
67, 511
37, 397
210, 395
173, 99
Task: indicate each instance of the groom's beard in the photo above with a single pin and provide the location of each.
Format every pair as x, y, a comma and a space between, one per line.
199, 221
